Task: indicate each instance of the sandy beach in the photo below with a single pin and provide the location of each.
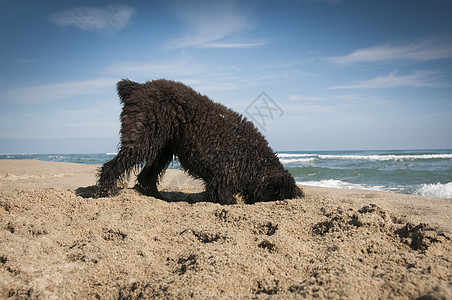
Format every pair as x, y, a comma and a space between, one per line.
56, 242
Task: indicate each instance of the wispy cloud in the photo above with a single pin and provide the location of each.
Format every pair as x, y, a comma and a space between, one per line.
423, 78
108, 19
46, 93
305, 98
209, 23
425, 50
230, 45
140, 70
202, 77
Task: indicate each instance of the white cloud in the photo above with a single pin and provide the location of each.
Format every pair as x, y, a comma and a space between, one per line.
200, 76
175, 68
230, 45
208, 23
46, 93
416, 79
426, 50
108, 19
305, 98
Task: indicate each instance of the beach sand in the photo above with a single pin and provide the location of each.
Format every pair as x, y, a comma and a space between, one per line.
58, 243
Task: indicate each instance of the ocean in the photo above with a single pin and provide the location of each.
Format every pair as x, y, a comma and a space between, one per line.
417, 172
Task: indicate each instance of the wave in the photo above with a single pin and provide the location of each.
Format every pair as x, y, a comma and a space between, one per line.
388, 157
339, 184
435, 190
296, 160
292, 157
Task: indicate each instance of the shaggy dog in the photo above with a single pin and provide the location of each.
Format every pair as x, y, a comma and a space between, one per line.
164, 118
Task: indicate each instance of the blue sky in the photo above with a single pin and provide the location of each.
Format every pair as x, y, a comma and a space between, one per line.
345, 74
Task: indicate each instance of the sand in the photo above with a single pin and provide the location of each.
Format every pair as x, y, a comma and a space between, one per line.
58, 243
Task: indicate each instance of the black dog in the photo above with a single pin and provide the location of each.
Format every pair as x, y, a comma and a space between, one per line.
164, 118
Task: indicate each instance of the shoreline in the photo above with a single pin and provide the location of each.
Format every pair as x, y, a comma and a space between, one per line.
409, 172
334, 243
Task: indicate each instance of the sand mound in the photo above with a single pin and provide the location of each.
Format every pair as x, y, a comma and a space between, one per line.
56, 244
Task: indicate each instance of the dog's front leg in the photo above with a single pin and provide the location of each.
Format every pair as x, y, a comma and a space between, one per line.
115, 171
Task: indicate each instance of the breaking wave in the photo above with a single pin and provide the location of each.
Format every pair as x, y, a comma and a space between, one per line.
435, 190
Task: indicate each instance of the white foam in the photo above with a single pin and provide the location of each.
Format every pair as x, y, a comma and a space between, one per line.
296, 160
339, 184
435, 190
367, 157
57, 156
111, 153
387, 157
295, 155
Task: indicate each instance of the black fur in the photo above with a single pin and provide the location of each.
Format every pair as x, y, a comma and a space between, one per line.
164, 118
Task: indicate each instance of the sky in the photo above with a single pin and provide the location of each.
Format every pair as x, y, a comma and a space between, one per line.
311, 74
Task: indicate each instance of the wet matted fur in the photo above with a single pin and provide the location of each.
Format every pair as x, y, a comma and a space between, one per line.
163, 118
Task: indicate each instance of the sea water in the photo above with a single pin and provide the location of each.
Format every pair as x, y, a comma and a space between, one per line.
418, 172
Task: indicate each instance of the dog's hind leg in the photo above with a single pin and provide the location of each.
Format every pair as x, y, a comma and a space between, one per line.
149, 176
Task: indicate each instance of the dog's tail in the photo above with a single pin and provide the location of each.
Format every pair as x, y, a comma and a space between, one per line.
125, 89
